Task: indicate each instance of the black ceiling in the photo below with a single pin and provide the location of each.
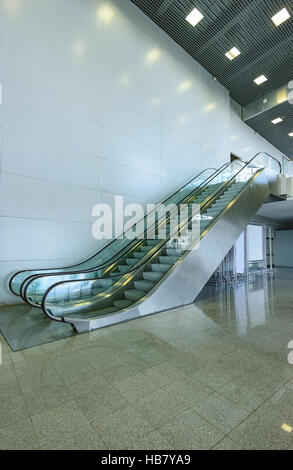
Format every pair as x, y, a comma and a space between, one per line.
246, 24
277, 134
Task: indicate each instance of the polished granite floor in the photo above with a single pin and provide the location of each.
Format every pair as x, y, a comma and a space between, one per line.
214, 375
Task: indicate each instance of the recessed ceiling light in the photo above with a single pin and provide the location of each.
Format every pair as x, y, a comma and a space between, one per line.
260, 80
277, 120
234, 52
290, 134
194, 17
280, 17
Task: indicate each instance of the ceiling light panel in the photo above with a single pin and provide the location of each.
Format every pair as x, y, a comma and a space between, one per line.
261, 79
233, 53
277, 120
194, 17
280, 17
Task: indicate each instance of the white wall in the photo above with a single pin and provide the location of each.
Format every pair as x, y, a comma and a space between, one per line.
255, 242
97, 101
240, 254
284, 244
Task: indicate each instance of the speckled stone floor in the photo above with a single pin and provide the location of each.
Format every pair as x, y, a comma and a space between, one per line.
213, 375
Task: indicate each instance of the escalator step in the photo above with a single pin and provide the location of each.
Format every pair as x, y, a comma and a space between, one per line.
131, 261
162, 268
173, 252
152, 242
219, 204
168, 259
152, 276
145, 248
106, 283
215, 209
122, 303
123, 268
138, 255
144, 285
213, 214
225, 197
134, 294
232, 191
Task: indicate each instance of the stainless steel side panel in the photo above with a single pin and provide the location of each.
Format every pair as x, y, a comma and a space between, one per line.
186, 281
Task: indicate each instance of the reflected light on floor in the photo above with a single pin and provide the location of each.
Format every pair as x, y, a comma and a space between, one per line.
286, 427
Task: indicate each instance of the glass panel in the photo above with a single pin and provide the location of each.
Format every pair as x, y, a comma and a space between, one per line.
264, 160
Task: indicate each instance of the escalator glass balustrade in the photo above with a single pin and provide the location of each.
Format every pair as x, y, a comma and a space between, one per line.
134, 276
32, 285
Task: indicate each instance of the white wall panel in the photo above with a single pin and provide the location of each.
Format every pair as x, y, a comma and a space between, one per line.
284, 241
34, 198
43, 239
255, 242
39, 158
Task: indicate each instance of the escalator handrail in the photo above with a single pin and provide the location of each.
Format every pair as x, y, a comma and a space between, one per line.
158, 248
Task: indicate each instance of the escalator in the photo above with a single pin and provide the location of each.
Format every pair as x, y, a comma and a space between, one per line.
32, 284
168, 267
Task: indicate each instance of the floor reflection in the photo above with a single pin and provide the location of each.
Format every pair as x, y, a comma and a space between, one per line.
249, 304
